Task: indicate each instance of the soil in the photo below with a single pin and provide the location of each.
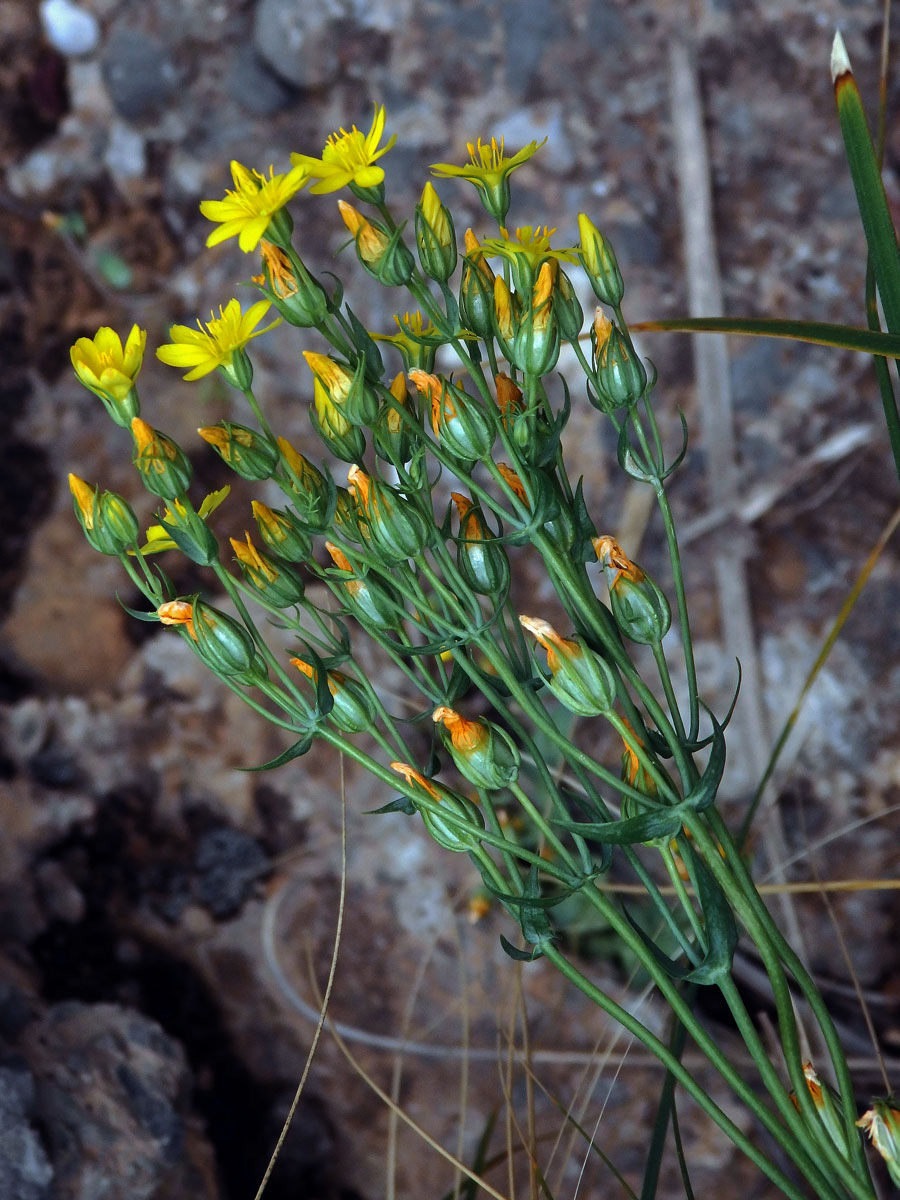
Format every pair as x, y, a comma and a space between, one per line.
162, 913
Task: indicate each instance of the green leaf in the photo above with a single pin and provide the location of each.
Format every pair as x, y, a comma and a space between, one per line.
299, 747
661, 823
400, 804
819, 333
706, 790
520, 955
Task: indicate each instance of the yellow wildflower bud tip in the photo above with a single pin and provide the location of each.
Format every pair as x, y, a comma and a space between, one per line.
84, 495
435, 236
412, 776
252, 206
602, 329
370, 241
338, 557
337, 380
882, 1124
466, 736
476, 255
504, 317
110, 370
513, 482
248, 555
279, 585
349, 158
400, 394
482, 752
281, 273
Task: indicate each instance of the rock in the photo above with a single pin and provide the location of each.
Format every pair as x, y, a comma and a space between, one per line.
300, 42
139, 73
255, 86
110, 1086
228, 863
25, 1171
69, 28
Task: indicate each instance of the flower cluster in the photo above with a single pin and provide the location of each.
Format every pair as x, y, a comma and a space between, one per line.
528, 726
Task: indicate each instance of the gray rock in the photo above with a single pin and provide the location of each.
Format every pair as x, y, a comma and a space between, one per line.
25, 1170
110, 1090
300, 41
228, 863
255, 86
69, 28
139, 73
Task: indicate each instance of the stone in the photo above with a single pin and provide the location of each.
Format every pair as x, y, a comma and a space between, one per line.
300, 42
25, 1170
228, 863
69, 28
255, 86
139, 73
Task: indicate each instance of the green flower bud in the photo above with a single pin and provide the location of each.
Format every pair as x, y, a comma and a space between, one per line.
599, 261
447, 833
343, 439
277, 583
350, 711
381, 251
282, 533
164, 468
223, 644
311, 494
347, 391
882, 1124
239, 371
619, 374
579, 678
462, 425
390, 523
482, 561
569, 313
535, 348
394, 437
370, 600
108, 521
476, 291
640, 607
249, 454
299, 298
435, 236
482, 752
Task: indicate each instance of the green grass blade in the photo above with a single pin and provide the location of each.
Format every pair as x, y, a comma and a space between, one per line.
881, 237
819, 333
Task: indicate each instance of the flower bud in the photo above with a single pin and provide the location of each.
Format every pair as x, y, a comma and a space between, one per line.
447, 833
249, 454
346, 390
397, 530
223, 644
182, 526
164, 468
827, 1107
350, 711
599, 261
482, 561
393, 436
344, 440
506, 316
108, 370
535, 348
308, 485
476, 291
541, 503
619, 374
579, 678
277, 583
368, 599
435, 236
380, 251
460, 423
282, 533
882, 1124
108, 521
482, 752
299, 298
639, 606
569, 313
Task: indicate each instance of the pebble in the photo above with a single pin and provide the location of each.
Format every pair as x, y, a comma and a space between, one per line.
69, 28
139, 73
255, 86
299, 42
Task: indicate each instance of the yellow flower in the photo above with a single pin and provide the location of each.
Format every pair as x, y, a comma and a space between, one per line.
489, 170
178, 612
109, 370
159, 538
248, 208
204, 350
348, 157
527, 251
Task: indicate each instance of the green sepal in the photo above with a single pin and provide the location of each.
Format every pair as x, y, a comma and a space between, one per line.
366, 345
704, 794
189, 542
520, 955
582, 548
140, 616
661, 823
399, 804
324, 698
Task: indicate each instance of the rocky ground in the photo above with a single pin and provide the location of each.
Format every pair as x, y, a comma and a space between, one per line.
161, 913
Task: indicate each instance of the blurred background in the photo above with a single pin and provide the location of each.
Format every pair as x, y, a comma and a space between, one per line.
163, 915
